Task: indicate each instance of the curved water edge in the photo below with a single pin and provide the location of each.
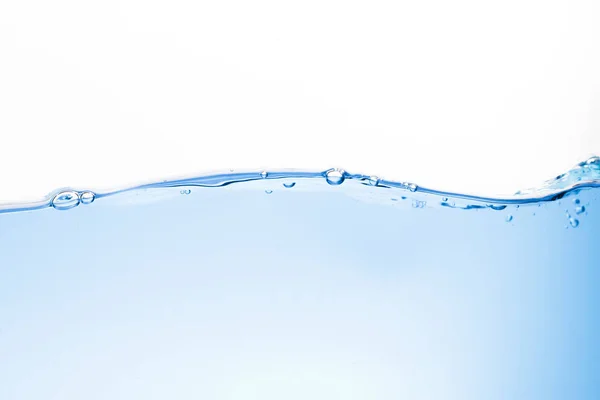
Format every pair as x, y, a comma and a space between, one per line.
584, 175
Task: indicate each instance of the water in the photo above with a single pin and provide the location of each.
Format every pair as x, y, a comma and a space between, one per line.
332, 288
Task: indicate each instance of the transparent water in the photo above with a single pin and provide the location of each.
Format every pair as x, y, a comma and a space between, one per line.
294, 285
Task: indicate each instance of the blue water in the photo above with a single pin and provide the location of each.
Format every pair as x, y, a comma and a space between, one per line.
294, 285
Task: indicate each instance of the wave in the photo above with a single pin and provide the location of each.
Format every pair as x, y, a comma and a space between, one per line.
584, 175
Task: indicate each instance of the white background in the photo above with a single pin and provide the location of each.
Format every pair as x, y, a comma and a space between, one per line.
477, 96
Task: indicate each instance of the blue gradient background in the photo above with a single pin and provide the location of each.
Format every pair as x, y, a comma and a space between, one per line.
311, 292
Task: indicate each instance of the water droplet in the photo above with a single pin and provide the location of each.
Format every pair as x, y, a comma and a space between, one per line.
65, 200
576, 201
419, 204
335, 176
373, 181
509, 218
579, 210
264, 174
268, 191
87, 197
289, 185
185, 191
574, 222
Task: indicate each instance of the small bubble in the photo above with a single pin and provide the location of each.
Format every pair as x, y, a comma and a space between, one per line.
410, 186
65, 200
289, 185
517, 206
509, 218
335, 176
576, 201
393, 199
373, 181
574, 222
579, 209
533, 214
87, 197
419, 204
264, 174
444, 199
185, 191
268, 191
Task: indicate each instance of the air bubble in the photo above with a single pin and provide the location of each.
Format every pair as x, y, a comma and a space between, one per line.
574, 222
335, 176
87, 197
444, 199
373, 181
576, 201
410, 186
509, 218
65, 200
264, 174
419, 204
289, 185
185, 191
579, 210
268, 191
